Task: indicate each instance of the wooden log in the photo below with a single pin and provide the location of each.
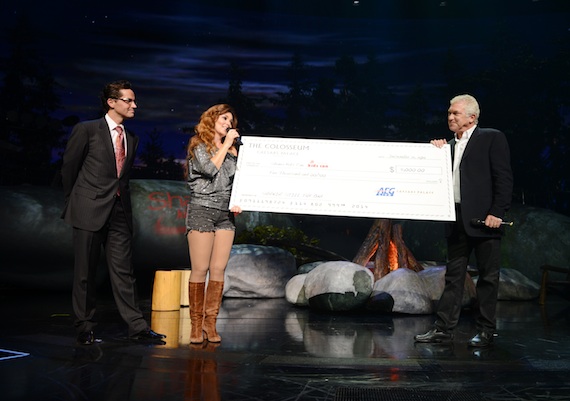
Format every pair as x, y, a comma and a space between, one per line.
369, 245
405, 257
413, 262
166, 290
381, 262
398, 240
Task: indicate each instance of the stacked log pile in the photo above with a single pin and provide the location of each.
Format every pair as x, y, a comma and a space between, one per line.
385, 243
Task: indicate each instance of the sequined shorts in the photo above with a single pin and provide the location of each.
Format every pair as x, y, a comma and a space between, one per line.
206, 219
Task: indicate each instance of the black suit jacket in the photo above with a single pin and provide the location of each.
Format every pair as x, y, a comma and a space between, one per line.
486, 179
89, 175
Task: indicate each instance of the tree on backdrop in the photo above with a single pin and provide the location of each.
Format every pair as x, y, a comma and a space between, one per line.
28, 133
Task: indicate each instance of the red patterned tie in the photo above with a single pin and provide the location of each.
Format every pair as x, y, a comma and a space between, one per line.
120, 149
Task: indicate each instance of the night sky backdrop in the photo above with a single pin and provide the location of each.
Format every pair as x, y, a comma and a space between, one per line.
178, 53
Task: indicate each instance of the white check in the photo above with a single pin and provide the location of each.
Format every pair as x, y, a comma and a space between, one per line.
395, 180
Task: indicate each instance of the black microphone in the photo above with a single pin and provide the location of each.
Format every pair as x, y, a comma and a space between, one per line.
237, 141
479, 222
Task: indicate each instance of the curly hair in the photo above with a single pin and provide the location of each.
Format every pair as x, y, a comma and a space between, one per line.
204, 131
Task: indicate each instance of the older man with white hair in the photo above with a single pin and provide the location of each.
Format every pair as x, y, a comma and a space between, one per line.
483, 185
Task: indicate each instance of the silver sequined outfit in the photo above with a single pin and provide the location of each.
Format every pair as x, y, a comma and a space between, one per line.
209, 188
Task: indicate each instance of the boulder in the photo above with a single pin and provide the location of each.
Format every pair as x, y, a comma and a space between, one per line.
307, 267
257, 271
434, 279
407, 289
338, 286
295, 290
380, 302
514, 286
538, 237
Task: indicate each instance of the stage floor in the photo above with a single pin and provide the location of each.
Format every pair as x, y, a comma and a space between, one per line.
274, 351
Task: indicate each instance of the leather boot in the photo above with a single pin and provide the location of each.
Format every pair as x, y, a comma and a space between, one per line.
213, 302
196, 302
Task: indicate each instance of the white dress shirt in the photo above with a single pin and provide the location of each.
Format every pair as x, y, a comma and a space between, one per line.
460, 145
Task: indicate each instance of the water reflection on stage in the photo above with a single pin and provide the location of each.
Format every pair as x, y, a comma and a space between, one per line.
271, 350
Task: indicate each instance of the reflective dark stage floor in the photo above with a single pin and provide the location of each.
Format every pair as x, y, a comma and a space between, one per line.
271, 350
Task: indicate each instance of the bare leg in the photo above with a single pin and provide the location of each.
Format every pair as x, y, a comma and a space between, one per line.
200, 245
222, 246
209, 252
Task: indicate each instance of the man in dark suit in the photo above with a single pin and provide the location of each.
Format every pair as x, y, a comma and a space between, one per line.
98, 206
483, 183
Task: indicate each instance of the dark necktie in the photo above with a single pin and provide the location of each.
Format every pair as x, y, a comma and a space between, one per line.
120, 149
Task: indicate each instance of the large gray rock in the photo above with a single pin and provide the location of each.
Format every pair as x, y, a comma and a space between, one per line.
380, 302
307, 267
256, 271
295, 290
408, 290
538, 237
338, 286
514, 286
434, 279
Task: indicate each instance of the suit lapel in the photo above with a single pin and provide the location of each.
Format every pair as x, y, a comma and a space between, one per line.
107, 140
472, 142
452, 148
131, 150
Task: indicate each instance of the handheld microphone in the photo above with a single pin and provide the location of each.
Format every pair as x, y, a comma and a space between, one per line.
237, 141
479, 222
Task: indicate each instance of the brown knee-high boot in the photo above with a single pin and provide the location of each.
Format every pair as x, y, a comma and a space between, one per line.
196, 301
213, 302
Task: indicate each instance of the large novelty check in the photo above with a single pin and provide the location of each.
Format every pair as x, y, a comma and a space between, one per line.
394, 180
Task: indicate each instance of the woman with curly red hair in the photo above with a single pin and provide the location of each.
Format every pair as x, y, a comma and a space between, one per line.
210, 224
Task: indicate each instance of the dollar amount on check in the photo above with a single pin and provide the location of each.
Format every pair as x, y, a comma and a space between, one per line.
396, 180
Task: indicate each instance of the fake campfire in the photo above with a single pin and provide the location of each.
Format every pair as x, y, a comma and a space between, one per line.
385, 243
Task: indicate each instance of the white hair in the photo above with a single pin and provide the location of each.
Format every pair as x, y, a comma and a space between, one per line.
471, 105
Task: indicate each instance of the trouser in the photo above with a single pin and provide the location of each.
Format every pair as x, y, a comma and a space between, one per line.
487, 256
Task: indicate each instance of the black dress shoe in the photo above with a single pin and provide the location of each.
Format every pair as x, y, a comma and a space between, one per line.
148, 336
481, 340
434, 336
86, 338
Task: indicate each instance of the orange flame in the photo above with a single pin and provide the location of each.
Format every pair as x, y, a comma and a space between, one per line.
392, 256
